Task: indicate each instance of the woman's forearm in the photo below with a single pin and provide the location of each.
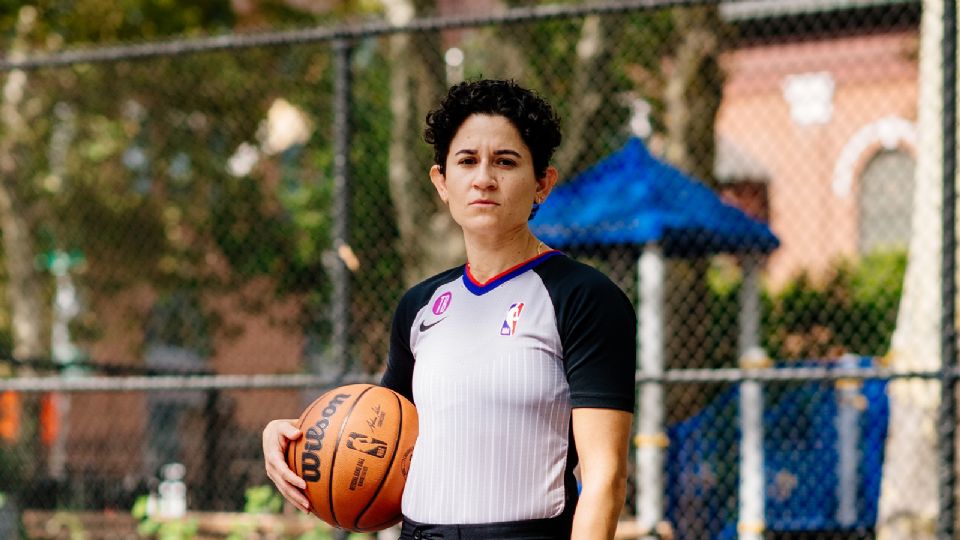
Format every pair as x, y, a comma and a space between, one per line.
598, 510
601, 436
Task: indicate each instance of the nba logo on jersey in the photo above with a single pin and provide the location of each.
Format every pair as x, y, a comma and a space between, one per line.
509, 327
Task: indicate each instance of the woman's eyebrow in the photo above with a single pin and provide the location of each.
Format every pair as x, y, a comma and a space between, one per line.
504, 152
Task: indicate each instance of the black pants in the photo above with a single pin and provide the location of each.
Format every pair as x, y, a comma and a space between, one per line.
557, 528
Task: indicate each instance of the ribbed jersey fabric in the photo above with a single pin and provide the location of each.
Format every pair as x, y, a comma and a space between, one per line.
494, 370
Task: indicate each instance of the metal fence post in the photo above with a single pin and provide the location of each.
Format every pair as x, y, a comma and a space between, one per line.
340, 274
751, 523
650, 440
948, 344
849, 415
212, 433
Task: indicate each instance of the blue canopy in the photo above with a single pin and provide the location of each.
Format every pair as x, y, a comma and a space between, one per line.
631, 198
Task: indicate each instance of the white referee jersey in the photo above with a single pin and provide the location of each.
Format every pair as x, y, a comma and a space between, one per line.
494, 369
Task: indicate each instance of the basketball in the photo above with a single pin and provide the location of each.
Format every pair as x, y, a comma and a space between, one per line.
355, 454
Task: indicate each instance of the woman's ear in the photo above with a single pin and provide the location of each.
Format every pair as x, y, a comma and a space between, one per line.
546, 183
439, 182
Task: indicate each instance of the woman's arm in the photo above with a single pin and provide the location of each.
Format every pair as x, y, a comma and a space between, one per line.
601, 437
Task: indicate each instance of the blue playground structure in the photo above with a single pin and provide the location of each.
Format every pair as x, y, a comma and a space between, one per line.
823, 459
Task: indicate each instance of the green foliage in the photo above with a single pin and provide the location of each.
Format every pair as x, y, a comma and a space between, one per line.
373, 228
258, 500
561, 77
176, 529
315, 534
141, 187
853, 311
266, 500
140, 184
722, 305
129, 257
254, 239
139, 510
262, 499
105, 21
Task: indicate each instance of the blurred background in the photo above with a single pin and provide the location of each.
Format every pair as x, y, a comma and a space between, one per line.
209, 211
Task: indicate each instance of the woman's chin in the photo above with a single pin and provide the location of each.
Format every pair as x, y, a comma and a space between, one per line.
489, 226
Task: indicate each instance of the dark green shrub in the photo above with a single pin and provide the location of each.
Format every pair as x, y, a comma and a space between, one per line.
852, 310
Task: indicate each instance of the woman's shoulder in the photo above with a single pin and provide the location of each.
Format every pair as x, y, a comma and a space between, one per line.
584, 297
566, 272
421, 293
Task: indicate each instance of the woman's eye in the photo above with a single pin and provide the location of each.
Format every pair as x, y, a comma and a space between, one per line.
467, 161
507, 162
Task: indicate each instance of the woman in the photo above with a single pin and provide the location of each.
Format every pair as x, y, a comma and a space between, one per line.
520, 362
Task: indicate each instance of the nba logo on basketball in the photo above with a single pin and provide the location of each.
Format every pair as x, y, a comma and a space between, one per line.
509, 327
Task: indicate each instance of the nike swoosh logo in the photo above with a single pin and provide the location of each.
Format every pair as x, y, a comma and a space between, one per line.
425, 327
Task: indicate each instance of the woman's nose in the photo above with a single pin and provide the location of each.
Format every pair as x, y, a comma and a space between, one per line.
485, 177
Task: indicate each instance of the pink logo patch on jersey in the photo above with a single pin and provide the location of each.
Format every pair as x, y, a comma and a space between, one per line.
509, 327
442, 303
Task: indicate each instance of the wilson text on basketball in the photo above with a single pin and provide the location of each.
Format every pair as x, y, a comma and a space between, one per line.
314, 439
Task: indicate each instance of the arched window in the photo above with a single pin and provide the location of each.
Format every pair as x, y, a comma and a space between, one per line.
886, 201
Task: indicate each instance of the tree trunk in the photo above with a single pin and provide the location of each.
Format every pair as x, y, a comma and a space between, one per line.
23, 291
593, 53
692, 93
429, 239
590, 93
908, 495
694, 88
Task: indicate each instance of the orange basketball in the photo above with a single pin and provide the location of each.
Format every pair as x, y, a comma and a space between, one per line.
355, 454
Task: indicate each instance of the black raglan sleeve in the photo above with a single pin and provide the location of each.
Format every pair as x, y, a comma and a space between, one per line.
399, 373
598, 328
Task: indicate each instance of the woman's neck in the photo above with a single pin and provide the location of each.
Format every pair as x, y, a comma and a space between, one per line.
489, 257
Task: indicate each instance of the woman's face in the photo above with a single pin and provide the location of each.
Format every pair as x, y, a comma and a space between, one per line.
489, 183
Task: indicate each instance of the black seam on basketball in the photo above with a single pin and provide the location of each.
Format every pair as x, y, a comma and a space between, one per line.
291, 448
336, 447
386, 473
292, 445
380, 526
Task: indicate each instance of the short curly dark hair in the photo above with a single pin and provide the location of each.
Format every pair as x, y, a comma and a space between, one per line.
534, 118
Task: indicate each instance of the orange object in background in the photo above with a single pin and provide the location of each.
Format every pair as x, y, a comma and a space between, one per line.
49, 418
10, 410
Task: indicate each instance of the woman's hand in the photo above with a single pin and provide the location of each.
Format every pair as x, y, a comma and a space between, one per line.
277, 436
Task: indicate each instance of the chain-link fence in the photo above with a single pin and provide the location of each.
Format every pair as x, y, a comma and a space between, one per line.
200, 235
